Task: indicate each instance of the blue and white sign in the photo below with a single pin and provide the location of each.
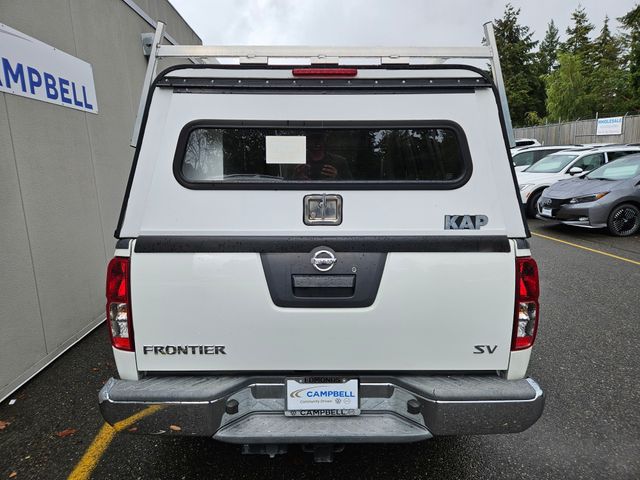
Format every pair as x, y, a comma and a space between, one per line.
609, 126
33, 69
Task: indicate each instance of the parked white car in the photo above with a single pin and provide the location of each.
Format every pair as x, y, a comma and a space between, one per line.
562, 165
523, 143
527, 142
523, 158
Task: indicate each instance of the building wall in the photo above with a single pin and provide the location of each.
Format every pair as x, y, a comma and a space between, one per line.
62, 176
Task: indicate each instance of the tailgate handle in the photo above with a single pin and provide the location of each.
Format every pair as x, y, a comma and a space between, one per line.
324, 281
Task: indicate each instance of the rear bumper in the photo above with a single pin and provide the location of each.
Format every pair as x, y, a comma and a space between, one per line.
441, 405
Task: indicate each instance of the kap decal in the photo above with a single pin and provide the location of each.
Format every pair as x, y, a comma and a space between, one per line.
465, 222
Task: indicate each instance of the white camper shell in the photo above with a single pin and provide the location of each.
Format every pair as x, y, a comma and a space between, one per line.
337, 247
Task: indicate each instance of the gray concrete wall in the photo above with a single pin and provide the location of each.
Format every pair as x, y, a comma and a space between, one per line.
62, 177
581, 131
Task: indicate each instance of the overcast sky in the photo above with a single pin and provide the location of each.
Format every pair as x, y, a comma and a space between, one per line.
374, 22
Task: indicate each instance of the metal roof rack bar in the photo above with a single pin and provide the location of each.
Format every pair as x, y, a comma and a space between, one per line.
260, 55
498, 80
149, 75
267, 52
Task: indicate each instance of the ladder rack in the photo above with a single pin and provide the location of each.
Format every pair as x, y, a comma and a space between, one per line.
303, 55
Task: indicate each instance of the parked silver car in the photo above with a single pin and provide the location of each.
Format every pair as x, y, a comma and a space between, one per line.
609, 197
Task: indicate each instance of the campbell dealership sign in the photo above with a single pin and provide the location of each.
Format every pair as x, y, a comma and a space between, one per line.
31, 68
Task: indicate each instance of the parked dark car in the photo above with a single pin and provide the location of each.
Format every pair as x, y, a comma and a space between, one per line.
609, 197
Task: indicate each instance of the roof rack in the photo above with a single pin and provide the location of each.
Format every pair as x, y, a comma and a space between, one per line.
264, 55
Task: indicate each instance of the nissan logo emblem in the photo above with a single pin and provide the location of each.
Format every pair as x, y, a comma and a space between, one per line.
323, 260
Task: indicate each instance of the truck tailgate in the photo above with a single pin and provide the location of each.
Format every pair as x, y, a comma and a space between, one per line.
430, 311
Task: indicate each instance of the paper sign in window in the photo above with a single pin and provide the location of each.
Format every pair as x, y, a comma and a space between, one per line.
286, 149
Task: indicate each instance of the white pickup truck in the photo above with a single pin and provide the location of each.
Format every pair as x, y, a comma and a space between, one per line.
322, 255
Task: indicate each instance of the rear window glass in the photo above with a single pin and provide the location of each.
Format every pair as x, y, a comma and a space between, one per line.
278, 155
614, 155
523, 159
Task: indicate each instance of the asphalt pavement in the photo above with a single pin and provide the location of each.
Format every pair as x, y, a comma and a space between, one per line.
586, 359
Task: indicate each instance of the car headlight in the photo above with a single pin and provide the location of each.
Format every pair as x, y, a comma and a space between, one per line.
524, 186
588, 198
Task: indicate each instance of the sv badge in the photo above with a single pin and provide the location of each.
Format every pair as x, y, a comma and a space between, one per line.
480, 349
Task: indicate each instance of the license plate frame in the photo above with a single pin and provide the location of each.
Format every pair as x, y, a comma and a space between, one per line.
547, 212
322, 397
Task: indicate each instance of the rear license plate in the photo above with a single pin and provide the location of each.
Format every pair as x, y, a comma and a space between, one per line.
547, 212
322, 397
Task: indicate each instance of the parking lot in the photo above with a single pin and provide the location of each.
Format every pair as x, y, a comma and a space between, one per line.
585, 359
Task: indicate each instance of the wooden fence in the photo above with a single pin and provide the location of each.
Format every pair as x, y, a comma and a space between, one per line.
581, 131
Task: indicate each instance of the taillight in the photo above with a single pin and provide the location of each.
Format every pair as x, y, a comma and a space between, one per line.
119, 304
325, 72
527, 308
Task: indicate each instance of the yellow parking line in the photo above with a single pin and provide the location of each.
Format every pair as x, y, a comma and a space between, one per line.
105, 436
587, 248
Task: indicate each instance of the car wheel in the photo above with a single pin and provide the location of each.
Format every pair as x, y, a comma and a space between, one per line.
624, 220
532, 204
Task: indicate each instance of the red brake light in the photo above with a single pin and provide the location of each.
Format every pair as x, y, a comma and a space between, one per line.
325, 72
527, 308
119, 304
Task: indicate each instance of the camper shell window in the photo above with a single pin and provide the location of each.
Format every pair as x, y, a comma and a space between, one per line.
426, 155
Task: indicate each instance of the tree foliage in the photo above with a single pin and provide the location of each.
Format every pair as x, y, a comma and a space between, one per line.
591, 71
609, 80
631, 23
519, 65
548, 53
567, 92
578, 42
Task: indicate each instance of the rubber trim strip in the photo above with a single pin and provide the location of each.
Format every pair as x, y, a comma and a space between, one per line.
186, 84
285, 244
123, 243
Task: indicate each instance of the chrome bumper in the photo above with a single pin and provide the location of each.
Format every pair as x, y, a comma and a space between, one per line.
249, 410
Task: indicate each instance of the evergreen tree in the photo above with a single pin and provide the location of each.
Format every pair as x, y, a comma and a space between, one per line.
521, 77
578, 41
609, 82
607, 47
548, 52
631, 23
